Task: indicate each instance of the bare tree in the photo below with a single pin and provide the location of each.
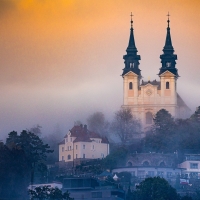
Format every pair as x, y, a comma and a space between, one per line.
125, 126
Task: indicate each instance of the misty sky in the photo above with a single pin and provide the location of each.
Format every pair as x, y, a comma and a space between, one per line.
61, 60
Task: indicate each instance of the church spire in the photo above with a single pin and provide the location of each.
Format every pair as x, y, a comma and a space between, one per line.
131, 45
131, 59
168, 58
168, 42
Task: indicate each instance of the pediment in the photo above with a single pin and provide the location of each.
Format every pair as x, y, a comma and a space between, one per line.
167, 74
150, 85
130, 73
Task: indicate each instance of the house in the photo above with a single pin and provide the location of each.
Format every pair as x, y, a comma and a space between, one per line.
81, 144
90, 189
191, 164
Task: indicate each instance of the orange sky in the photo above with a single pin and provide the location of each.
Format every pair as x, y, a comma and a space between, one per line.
59, 58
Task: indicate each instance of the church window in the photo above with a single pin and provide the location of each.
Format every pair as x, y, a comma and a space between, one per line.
69, 157
149, 118
168, 64
130, 85
167, 85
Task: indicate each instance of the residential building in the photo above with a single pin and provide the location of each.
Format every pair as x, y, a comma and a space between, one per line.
81, 144
191, 164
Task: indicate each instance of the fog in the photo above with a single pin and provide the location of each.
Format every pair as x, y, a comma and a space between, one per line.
61, 61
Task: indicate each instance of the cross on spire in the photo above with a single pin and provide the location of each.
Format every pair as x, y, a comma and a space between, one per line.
168, 15
131, 20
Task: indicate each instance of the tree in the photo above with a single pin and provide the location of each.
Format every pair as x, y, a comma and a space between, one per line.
14, 172
33, 147
163, 122
97, 123
115, 158
47, 193
156, 188
125, 126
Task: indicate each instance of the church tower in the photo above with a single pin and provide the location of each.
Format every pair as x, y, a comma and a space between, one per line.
168, 75
131, 72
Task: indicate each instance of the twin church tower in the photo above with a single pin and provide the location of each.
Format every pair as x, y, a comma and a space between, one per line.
145, 99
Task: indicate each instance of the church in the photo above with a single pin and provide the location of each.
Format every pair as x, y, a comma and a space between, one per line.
146, 98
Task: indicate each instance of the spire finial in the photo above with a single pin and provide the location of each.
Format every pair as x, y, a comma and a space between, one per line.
168, 15
131, 20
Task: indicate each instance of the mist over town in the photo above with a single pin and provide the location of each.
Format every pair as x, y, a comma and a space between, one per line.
100, 99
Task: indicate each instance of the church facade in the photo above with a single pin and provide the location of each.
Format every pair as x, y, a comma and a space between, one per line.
146, 98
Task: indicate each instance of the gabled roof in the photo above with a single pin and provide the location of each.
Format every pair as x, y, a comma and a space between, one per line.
82, 134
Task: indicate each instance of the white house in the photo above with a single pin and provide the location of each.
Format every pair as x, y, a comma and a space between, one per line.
80, 143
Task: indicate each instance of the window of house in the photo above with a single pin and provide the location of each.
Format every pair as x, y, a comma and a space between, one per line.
83, 155
76, 155
83, 146
160, 173
96, 194
149, 118
62, 149
69, 157
76, 146
169, 174
151, 173
145, 163
167, 85
141, 173
130, 85
129, 164
193, 165
162, 164
62, 157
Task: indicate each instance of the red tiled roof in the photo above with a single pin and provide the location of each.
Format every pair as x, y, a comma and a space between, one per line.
83, 134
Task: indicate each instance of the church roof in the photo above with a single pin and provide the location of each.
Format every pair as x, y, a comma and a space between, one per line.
154, 82
180, 102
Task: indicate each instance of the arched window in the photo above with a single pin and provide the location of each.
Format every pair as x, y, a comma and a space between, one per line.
149, 118
130, 164
130, 85
167, 85
69, 157
145, 163
162, 164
